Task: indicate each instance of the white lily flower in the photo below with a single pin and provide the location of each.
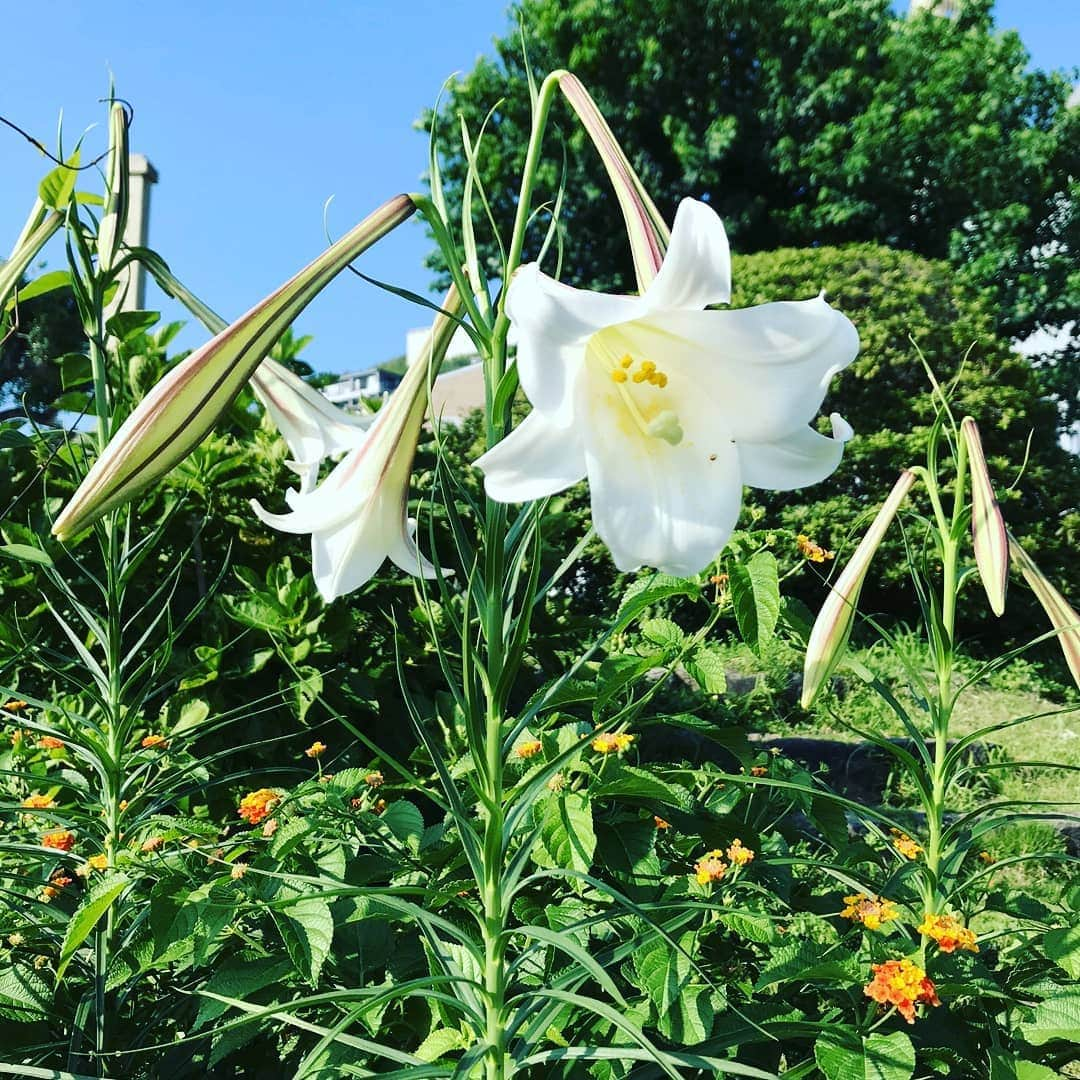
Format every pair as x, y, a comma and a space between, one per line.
667, 408
358, 516
313, 427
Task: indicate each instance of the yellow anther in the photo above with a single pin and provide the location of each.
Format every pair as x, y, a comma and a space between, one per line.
661, 380
640, 376
648, 367
618, 375
627, 361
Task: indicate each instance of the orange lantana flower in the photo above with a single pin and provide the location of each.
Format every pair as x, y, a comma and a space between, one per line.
50, 742
907, 847
257, 805
59, 839
871, 911
529, 749
38, 802
316, 749
948, 932
150, 741
902, 984
612, 742
739, 855
811, 551
710, 867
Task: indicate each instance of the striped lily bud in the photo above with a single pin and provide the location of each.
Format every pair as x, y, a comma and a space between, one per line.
1062, 615
41, 224
645, 227
988, 534
117, 184
181, 409
832, 628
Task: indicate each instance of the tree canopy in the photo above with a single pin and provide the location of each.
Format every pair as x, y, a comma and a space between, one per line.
827, 123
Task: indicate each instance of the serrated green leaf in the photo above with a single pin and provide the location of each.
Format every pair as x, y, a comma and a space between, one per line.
843, 1056
663, 633
440, 1043
749, 925
95, 903
24, 996
1063, 947
755, 596
405, 821
706, 666
307, 928
566, 830
633, 783
1058, 1017
651, 590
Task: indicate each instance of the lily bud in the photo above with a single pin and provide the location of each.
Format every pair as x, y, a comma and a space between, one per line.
988, 533
117, 184
646, 228
832, 628
1062, 615
41, 224
181, 409
313, 428
358, 516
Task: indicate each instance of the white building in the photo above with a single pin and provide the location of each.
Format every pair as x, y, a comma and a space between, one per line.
353, 386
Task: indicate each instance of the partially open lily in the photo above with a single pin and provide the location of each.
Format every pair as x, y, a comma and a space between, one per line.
358, 516
667, 408
313, 427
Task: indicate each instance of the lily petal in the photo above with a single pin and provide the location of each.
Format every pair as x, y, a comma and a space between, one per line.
535, 460
658, 504
765, 369
794, 461
696, 271
313, 427
553, 322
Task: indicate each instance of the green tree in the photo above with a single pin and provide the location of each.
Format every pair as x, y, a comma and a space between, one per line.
802, 124
48, 326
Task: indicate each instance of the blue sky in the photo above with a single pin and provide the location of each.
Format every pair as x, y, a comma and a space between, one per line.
254, 114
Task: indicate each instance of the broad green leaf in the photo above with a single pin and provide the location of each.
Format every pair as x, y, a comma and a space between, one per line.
1006, 1066
627, 849
240, 977
876, 1057
44, 283
755, 595
631, 783
650, 590
663, 633
749, 925
405, 821
1058, 1017
95, 903
307, 928
806, 961
1063, 947
57, 187
684, 1011
24, 996
440, 1043
706, 666
127, 324
566, 830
